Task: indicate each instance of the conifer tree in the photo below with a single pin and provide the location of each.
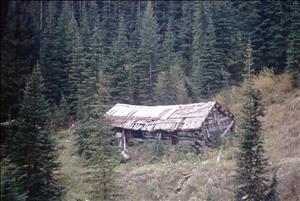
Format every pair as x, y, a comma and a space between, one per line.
170, 87
32, 144
51, 66
95, 143
119, 59
75, 68
186, 36
103, 160
168, 52
293, 52
19, 50
248, 70
251, 170
67, 28
147, 56
208, 72
11, 188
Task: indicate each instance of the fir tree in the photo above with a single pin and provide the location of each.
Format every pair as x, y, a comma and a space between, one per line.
147, 55
67, 28
168, 52
103, 160
208, 73
251, 163
119, 59
95, 143
170, 87
32, 144
248, 70
293, 53
19, 50
51, 66
186, 36
11, 188
75, 68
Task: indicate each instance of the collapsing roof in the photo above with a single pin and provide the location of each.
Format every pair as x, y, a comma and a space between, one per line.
163, 117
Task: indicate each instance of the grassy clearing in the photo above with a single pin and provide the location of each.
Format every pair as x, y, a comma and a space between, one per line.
73, 173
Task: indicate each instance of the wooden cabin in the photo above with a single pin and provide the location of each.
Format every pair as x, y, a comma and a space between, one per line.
196, 123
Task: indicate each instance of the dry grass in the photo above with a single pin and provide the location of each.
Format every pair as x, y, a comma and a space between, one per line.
146, 180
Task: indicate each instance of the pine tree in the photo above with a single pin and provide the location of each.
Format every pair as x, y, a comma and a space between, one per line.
293, 53
119, 59
32, 144
103, 160
95, 143
225, 45
75, 68
208, 72
170, 87
147, 55
19, 50
251, 163
168, 52
11, 189
186, 36
248, 70
51, 66
67, 29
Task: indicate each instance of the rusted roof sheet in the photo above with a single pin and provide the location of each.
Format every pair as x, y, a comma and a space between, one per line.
161, 117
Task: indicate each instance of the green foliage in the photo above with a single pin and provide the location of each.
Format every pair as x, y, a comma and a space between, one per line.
186, 36
248, 70
147, 57
168, 52
103, 159
118, 75
95, 143
208, 72
11, 188
170, 87
60, 116
32, 144
293, 52
251, 163
50, 53
19, 41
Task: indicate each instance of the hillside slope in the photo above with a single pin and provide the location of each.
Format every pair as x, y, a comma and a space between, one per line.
189, 177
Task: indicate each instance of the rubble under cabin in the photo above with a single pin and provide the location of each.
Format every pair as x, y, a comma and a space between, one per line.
198, 123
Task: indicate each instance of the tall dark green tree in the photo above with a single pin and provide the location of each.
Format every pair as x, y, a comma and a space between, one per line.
11, 188
251, 162
168, 55
119, 59
75, 68
95, 143
146, 67
67, 28
293, 52
32, 144
208, 72
19, 50
51, 66
170, 87
248, 70
186, 36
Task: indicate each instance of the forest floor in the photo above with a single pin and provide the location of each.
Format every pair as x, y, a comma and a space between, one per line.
73, 174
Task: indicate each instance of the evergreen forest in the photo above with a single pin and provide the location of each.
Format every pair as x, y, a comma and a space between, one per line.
65, 63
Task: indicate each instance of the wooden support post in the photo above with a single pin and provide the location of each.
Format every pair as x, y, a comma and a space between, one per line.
124, 141
174, 138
